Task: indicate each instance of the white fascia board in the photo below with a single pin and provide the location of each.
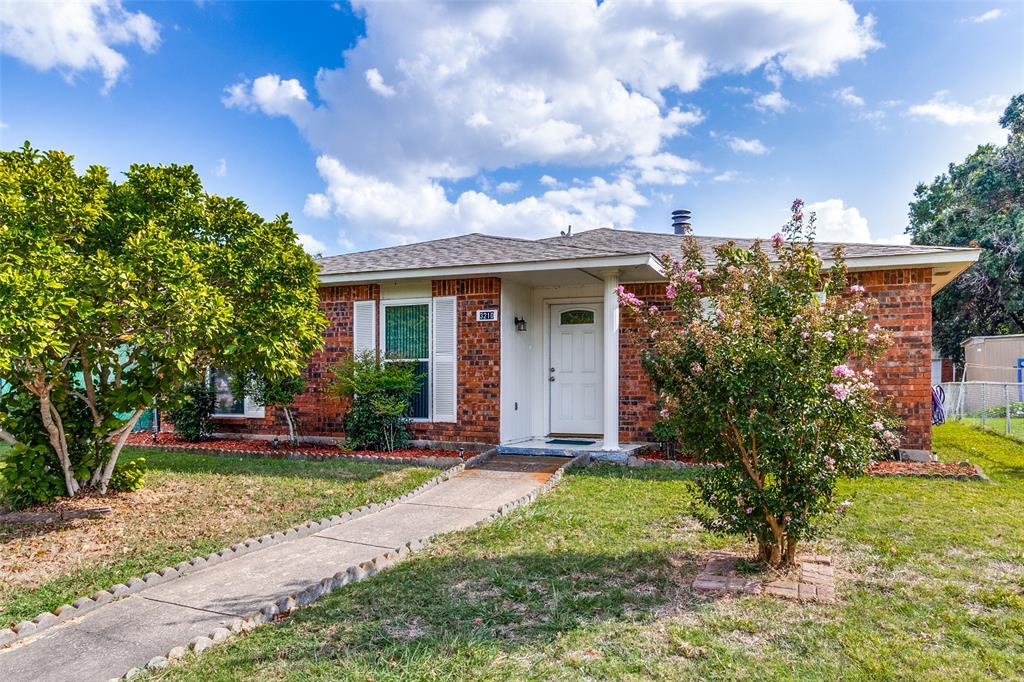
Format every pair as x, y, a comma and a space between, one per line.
499, 268
962, 257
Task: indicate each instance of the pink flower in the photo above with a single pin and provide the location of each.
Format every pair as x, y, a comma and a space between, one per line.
842, 372
696, 287
827, 335
877, 425
664, 413
777, 239
872, 337
670, 292
868, 373
804, 335
653, 309
857, 289
690, 276
859, 305
695, 368
840, 392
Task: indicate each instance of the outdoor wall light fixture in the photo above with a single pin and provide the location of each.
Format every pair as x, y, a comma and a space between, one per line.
520, 324
276, 444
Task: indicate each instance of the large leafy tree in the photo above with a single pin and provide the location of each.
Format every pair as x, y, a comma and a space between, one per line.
112, 294
759, 377
979, 202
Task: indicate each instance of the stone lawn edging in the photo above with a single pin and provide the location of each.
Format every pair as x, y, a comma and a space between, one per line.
350, 574
83, 605
300, 455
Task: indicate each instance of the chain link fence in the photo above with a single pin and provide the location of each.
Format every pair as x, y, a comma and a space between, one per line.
989, 405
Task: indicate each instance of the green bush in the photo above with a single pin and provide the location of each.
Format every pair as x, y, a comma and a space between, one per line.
27, 477
129, 475
191, 417
381, 393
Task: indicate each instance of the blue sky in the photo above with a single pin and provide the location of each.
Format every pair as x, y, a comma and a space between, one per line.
388, 123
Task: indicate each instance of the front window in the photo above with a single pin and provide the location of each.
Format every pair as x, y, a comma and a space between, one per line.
406, 337
226, 402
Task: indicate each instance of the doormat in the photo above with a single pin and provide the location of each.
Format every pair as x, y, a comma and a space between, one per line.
570, 441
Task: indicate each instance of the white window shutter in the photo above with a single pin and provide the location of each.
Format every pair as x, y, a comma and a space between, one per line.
254, 410
364, 326
444, 358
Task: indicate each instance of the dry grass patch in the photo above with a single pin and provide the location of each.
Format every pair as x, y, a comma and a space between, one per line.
191, 504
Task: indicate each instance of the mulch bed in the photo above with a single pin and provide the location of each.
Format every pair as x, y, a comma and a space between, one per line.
661, 456
958, 470
265, 448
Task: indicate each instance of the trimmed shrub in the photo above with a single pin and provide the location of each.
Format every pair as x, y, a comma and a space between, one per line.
191, 417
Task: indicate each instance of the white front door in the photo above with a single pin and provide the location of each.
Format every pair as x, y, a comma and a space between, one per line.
576, 370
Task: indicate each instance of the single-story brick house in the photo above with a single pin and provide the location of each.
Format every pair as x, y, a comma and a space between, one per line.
521, 339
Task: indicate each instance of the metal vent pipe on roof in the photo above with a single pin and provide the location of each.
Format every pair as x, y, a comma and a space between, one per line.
681, 221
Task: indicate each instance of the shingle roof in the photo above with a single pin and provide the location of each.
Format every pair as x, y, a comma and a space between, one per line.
632, 241
466, 249
481, 249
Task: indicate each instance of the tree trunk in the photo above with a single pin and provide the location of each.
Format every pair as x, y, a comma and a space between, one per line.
8, 437
122, 438
55, 429
790, 556
291, 425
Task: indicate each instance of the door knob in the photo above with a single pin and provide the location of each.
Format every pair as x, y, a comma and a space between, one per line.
551, 378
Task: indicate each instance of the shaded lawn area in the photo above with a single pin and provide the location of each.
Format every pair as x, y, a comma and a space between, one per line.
592, 582
190, 505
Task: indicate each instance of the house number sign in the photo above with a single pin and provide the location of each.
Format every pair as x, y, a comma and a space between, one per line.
487, 315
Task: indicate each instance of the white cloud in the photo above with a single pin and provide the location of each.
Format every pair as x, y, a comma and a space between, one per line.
317, 205
336, 6
73, 37
726, 176
944, 110
772, 101
479, 87
222, 168
744, 146
548, 181
507, 187
403, 212
664, 169
310, 244
848, 97
837, 222
990, 15
377, 84
475, 87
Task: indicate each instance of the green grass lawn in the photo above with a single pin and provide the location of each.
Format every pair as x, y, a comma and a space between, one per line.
190, 505
592, 582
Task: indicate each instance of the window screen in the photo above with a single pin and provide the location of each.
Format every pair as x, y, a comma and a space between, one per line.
407, 337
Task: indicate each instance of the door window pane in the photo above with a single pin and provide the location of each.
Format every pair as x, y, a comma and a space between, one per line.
577, 317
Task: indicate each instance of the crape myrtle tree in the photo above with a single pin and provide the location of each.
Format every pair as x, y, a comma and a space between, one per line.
979, 202
757, 374
278, 392
114, 293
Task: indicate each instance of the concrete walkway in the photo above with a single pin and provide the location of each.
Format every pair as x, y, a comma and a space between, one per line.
112, 639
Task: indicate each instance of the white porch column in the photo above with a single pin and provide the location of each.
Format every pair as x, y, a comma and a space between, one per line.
611, 360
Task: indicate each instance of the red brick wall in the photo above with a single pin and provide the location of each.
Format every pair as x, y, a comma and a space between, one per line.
904, 374
479, 348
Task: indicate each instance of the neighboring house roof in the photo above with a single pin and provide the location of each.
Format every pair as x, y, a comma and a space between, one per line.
593, 249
